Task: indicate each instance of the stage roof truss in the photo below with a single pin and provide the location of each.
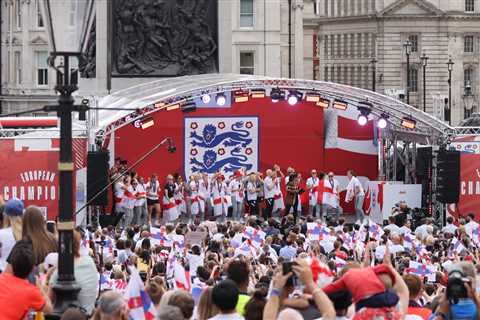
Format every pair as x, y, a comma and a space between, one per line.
144, 97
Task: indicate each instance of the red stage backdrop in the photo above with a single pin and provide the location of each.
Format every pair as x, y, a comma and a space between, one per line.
469, 184
281, 134
29, 170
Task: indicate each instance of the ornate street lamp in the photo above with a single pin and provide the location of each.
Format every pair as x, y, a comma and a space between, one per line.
424, 60
448, 112
408, 50
67, 40
468, 101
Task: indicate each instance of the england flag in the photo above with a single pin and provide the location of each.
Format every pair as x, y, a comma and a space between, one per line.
139, 302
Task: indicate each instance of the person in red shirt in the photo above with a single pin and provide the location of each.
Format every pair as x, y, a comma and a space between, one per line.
415, 289
368, 286
17, 295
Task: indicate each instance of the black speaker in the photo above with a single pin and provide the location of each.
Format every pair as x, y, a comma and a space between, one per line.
97, 177
448, 176
423, 161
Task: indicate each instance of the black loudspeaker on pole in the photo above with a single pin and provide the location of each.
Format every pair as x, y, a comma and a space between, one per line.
97, 177
448, 176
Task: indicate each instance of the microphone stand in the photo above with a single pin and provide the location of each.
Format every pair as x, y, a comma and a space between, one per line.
171, 149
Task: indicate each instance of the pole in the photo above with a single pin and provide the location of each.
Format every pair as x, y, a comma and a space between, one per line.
408, 78
449, 112
290, 38
424, 88
374, 74
66, 290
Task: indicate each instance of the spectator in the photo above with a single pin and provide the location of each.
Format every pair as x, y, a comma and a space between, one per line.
170, 313
206, 309
35, 230
156, 289
225, 297
12, 229
415, 289
254, 307
184, 301
73, 314
450, 228
239, 272
111, 306
86, 276
17, 295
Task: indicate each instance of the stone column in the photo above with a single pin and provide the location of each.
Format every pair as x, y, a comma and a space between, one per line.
298, 44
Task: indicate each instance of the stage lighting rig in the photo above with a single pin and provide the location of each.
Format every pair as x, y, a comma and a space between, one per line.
277, 94
221, 99
293, 97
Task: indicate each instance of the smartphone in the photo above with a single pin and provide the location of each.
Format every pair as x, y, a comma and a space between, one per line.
287, 267
293, 279
51, 226
115, 253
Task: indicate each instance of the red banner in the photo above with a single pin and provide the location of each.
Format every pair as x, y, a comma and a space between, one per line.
469, 184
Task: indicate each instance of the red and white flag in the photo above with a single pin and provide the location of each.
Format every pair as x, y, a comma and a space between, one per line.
182, 277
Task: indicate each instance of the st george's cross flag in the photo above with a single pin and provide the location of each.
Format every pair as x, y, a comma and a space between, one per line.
256, 237
422, 270
159, 237
182, 276
316, 231
326, 194
139, 303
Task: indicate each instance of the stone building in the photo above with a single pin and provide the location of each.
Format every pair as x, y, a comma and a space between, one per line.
354, 33
26, 81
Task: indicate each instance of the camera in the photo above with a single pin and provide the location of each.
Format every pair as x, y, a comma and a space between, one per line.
456, 289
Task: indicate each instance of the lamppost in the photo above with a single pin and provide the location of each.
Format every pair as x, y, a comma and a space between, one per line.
374, 73
63, 38
424, 60
468, 101
408, 50
448, 112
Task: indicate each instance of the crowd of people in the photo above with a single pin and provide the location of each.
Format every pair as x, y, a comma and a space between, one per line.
271, 194
262, 267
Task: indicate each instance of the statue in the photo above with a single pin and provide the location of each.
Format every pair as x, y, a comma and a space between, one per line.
87, 65
164, 37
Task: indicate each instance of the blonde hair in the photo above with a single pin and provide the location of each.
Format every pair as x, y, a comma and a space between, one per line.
15, 222
206, 309
35, 229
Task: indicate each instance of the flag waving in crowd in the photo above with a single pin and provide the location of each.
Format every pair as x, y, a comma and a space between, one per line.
139, 302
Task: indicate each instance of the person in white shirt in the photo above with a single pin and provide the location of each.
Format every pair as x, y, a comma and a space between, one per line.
333, 184
355, 192
140, 208
128, 201
12, 231
269, 192
392, 227
471, 224
278, 175
424, 230
219, 196
450, 228
312, 186
195, 259
204, 195
237, 193
153, 188
252, 193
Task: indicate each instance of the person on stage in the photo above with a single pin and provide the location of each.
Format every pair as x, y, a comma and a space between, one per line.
332, 187
170, 212
278, 176
204, 195
237, 193
356, 193
193, 187
180, 195
269, 193
219, 196
312, 186
153, 189
140, 209
292, 197
252, 193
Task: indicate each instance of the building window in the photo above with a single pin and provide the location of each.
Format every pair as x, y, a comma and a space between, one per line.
18, 67
18, 14
332, 73
359, 45
467, 77
468, 44
42, 67
40, 23
246, 13
247, 62
332, 53
413, 80
413, 38
345, 45
325, 74
469, 5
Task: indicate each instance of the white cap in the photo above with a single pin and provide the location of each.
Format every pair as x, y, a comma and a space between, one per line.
51, 260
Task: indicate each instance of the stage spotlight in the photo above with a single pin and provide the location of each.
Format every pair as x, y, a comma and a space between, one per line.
323, 103
276, 95
382, 121
189, 106
221, 99
144, 123
340, 105
257, 93
363, 117
159, 105
240, 95
206, 98
408, 123
312, 97
294, 97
